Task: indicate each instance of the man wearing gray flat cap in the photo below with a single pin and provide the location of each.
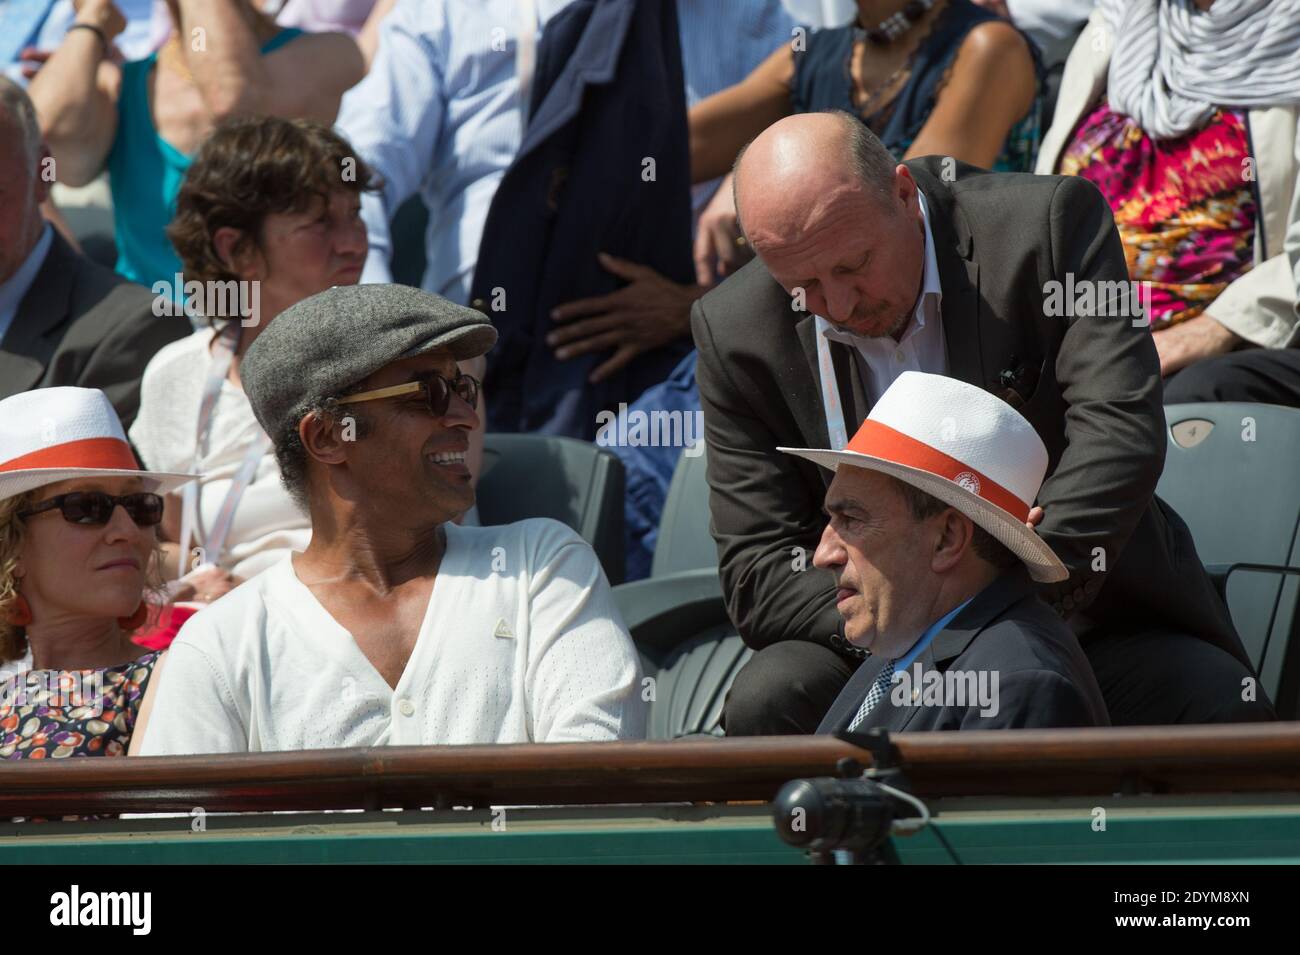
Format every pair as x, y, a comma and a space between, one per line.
395, 625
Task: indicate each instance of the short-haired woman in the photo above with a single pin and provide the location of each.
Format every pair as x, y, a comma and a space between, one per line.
269, 211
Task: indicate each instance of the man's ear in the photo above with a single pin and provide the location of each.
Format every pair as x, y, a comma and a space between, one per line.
904, 185
323, 436
238, 253
955, 533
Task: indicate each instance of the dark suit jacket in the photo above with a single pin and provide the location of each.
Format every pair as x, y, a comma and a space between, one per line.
1028, 660
1090, 386
82, 324
607, 94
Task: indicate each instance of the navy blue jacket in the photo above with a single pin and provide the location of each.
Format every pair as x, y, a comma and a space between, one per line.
1007, 634
607, 95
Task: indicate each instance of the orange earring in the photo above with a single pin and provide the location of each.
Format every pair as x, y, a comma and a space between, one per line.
19, 613
134, 621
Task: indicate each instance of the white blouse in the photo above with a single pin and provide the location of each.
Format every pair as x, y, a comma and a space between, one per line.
267, 524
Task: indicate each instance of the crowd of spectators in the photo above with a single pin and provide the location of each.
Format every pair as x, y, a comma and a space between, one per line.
269, 271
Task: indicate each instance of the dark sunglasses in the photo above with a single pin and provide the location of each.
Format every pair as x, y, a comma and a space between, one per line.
96, 507
437, 391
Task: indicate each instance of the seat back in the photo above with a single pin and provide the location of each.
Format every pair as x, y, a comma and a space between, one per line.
574, 482
677, 616
684, 541
1232, 472
692, 683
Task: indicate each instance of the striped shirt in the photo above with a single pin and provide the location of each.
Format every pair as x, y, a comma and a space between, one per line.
439, 112
722, 42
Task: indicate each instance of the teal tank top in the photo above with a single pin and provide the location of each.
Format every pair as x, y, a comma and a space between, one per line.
145, 174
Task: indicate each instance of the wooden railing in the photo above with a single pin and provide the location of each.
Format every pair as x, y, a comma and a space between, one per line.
1218, 759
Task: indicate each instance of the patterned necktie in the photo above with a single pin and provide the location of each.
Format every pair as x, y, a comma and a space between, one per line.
874, 695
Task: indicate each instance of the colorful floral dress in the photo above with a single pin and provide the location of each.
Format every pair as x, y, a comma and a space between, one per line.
54, 714
1185, 208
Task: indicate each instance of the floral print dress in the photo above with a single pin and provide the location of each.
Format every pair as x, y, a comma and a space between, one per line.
55, 714
1185, 208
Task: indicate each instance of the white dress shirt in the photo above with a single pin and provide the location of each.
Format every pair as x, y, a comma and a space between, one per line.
922, 347
521, 643
14, 289
439, 113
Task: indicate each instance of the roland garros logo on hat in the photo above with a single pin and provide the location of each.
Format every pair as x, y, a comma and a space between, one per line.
969, 480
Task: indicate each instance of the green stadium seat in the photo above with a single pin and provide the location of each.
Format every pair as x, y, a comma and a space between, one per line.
677, 617
684, 541
574, 482
1232, 472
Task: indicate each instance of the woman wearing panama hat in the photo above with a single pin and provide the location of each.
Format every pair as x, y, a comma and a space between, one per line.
78, 543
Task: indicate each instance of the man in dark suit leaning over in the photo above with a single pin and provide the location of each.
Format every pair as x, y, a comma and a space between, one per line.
64, 320
935, 562
939, 267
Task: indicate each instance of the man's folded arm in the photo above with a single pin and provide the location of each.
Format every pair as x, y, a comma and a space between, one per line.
766, 520
1109, 375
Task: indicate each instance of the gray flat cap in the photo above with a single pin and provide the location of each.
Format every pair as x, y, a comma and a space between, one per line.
336, 338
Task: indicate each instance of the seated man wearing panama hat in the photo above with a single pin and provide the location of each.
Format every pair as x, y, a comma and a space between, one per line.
935, 564
395, 626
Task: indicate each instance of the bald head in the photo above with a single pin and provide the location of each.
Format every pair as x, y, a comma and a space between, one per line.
797, 165
835, 219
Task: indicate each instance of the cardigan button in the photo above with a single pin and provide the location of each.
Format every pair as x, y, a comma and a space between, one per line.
406, 708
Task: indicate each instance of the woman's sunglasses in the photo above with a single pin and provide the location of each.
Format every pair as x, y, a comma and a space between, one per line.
96, 507
437, 392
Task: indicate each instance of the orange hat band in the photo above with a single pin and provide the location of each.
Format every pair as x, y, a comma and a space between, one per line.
881, 441
107, 453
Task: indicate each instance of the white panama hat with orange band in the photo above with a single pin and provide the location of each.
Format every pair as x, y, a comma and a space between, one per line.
56, 434
965, 447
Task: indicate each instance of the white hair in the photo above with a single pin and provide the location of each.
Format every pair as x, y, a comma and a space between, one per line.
17, 104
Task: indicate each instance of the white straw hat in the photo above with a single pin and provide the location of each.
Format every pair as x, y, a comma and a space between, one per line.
962, 445
54, 434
